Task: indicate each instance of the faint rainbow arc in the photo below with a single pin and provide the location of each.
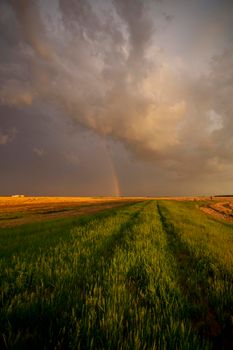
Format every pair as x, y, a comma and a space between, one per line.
115, 180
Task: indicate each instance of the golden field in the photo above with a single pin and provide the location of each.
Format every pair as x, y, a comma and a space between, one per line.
20, 210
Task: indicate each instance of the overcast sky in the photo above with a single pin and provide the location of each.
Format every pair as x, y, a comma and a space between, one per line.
116, 97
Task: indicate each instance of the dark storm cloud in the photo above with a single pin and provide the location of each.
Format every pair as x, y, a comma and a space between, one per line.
28, 15
48, 156
101, 64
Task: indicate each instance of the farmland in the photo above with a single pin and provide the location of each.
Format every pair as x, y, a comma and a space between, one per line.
144, 274
19, 210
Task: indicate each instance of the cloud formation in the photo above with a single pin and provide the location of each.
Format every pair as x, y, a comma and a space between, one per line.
7, 136
40, 152
101, 64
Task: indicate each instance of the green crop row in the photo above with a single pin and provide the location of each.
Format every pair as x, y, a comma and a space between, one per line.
147, 276
203, 249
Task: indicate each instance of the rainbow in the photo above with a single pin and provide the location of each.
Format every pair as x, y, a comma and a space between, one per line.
115, 181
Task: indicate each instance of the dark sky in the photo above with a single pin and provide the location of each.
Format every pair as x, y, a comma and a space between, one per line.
130, 97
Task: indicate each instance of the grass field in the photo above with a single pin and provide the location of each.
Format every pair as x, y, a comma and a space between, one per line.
154, 274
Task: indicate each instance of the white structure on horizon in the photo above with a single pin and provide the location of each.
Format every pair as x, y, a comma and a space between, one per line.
18, 195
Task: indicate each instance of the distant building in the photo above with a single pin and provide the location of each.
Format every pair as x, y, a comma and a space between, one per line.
18, 195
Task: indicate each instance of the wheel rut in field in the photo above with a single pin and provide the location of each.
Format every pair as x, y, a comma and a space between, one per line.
108, 246
203, 316
96, 273
91, 273
95, 264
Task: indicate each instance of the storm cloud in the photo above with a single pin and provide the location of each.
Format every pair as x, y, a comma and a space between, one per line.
140, 74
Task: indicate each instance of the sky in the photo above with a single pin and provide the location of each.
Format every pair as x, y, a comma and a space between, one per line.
116, 97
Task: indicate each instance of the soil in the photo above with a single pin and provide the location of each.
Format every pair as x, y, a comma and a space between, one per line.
221, 210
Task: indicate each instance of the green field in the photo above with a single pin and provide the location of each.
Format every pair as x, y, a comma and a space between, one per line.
150, 275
